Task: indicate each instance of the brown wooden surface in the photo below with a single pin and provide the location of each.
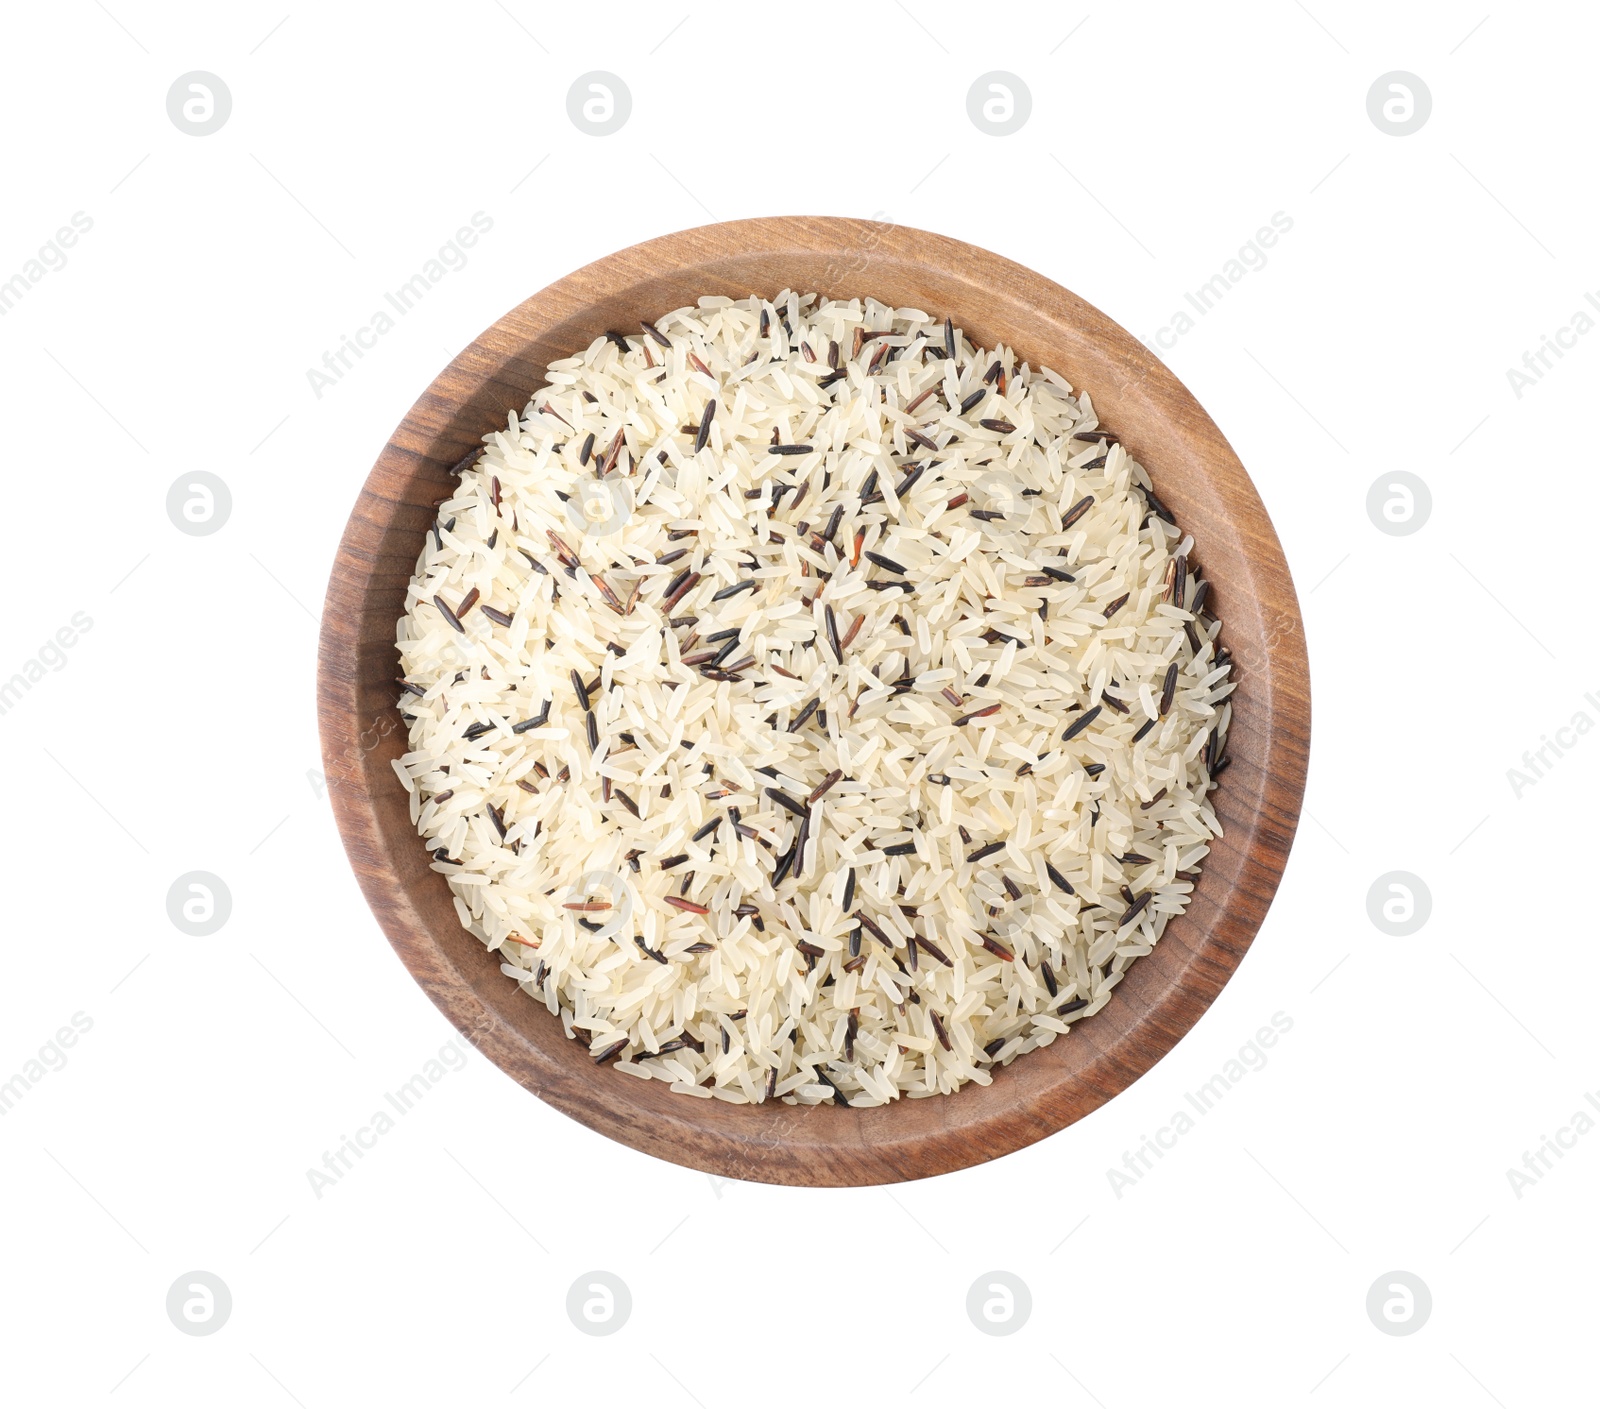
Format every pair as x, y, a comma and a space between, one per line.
1195, 472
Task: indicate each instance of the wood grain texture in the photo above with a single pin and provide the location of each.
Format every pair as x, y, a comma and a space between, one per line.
1195, 472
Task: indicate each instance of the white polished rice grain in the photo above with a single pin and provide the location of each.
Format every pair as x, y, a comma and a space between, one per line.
630, 667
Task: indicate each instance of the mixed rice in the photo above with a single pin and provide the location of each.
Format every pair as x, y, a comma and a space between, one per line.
808, 705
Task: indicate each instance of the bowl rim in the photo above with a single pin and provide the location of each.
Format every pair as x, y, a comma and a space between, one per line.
1150, 1010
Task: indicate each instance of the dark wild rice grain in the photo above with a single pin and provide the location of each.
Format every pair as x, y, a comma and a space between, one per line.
1082, 722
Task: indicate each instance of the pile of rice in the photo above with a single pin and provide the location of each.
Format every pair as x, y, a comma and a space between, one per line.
809, 705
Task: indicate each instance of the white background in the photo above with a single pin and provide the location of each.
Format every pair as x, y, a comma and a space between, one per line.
180, 733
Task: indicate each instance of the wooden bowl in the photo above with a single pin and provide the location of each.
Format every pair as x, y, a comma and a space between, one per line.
994, 300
